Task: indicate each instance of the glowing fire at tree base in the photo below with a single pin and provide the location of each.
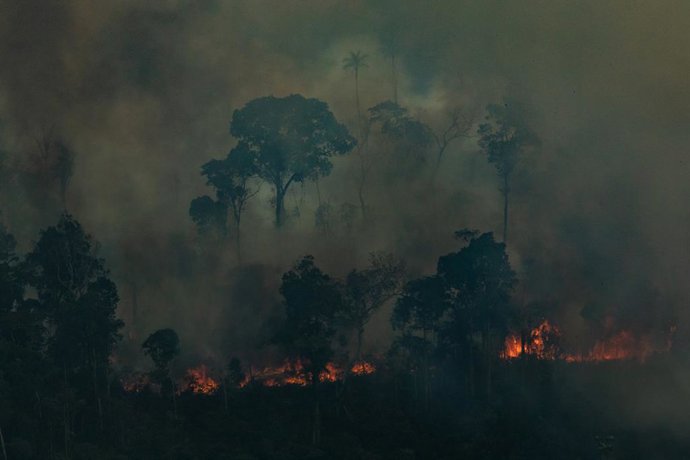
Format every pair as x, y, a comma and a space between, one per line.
543, 342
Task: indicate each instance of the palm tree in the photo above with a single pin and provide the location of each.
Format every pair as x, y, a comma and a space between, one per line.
355, 61
390, 50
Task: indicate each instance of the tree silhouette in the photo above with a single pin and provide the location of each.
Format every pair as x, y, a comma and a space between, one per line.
79, 301
231, 179
391, 50
458, 126
291, 139
368, 289
163, 346
503, 138
480, 281
232, 378
312, 301
420, 309
356, 61
209, 215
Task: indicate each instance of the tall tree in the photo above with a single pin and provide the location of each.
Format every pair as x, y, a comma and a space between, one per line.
458, 126
503, 138
355, 61
231, 179
51, 167
421, 306
291, 139
162, 346
391, 49
312, 302
79, 300
420, 309
209, 215
480, 280
368, 289
409, 137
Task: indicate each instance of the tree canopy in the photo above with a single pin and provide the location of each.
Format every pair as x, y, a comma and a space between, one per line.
291, 139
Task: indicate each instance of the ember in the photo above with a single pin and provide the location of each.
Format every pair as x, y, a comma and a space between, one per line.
363, 368
198, 381
542, 342
294, 373
138, 382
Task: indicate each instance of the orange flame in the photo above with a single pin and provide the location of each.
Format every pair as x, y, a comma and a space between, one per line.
199, 382
294, 373
136, 383
541, 342
363, 368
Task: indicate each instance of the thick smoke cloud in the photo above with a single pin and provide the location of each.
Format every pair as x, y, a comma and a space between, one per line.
143, 93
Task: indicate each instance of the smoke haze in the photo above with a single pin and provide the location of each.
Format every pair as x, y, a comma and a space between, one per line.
143, 94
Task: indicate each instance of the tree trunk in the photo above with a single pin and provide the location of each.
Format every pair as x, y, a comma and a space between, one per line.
2, 444
225, 395
486, 339
360, 336
65, 414
359, 112
237, 242
395, 79
316, 422
174, 395
95, 388
280, 205
505, 209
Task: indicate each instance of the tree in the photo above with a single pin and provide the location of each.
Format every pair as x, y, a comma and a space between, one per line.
231, 179
368, 289
12, 281
458, 127
79, 300
355, 61
209, 215
480, 281
390, 49
291, 139
233, 378
163, 346
420, 309
55, 161
312, 300
410, 137
503, 138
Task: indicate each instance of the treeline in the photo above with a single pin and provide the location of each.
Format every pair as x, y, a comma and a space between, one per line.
292, 140
58, 328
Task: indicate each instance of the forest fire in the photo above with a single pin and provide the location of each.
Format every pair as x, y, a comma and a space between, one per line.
137, 383
543, 342
294, 373
199, 382
363, 368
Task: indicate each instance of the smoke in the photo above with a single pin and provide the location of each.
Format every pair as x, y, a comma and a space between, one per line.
143, 94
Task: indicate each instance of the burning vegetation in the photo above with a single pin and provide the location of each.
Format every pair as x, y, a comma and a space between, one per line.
545, 342
293, 372
199, 382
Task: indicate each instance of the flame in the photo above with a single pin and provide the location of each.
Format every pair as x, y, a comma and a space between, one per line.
137, 382
294, 373
199, 382
542, 343
363, 368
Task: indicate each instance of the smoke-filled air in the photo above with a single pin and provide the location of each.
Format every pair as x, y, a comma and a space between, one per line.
344, 229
